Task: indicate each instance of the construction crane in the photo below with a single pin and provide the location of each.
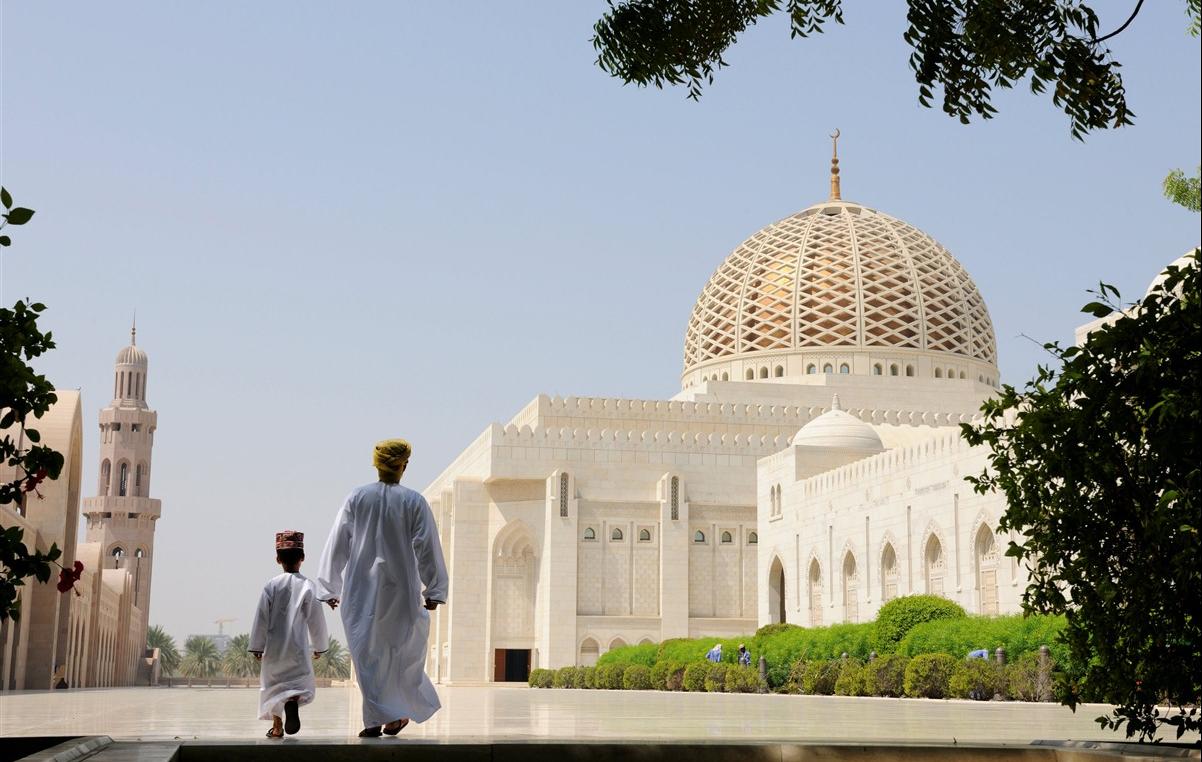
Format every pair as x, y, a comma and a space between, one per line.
221, 623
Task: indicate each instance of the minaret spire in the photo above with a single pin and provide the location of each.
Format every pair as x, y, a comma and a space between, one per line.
836, 195
133, 330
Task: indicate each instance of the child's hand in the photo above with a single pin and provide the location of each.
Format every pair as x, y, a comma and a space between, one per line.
258, 655
317, 655
332, 603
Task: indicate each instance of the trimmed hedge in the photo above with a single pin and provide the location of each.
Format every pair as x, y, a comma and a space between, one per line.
820, 676
1017, 634
886, 676
900, 615
609, 676
668, 676
715, 679
1026, 681
541, 678
694, 676
851, 679
927, 675
744, 680
637, 677
978, 679
588, 677
645, 654
789, 643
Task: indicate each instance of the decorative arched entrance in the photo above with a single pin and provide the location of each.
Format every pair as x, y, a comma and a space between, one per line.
851, 591
935, 566
987, 563
815, 593
888, 573
514, 577
776, 592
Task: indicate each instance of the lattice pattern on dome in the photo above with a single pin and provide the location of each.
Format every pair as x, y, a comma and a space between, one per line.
839, 275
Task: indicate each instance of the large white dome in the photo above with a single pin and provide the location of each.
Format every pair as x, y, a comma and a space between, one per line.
839, 287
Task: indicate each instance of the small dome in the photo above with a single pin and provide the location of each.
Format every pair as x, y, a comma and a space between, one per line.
836, 428
1180, 263
131, 355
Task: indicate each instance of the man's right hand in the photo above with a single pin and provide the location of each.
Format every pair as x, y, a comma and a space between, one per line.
332, 603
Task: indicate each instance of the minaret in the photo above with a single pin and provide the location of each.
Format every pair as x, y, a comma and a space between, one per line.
836, 191
122, 515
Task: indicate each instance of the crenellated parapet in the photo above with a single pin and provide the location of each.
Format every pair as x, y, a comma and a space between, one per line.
888, 464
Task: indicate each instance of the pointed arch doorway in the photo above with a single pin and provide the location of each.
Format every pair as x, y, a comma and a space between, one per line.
776, 592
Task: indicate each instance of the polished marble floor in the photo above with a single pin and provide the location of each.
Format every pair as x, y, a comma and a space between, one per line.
496, 713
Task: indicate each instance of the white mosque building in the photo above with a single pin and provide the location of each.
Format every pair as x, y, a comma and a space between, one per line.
809, 470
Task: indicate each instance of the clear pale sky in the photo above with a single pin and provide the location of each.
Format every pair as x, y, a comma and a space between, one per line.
343, 223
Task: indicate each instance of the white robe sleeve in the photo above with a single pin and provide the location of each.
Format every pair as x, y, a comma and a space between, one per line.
258, 629
428, 549
319, 637
334, 556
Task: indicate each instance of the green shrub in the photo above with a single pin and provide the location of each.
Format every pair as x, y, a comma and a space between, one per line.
927, 675
715, 679
1017, 634
900, 615
588, 677
565, 677
786, 644
886, 676
744, 680
667, 676
851, 679
637, 678
689, 650
819, 677
609, 676
694, 676
1026, 681
771, 630
644, 654
541, 678
796, 678
978, 679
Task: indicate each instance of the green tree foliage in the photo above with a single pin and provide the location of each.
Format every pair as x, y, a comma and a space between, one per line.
965, 48
237, 661
1098, 459
1186, 191
169, 659
900, 615
335, 663
24, 395
201, 658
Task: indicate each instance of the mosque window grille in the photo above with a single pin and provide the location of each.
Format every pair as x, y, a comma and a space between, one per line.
699, 537
753, 538
644, 535
780, 371
590, 534
727, 538
563, 496
845, 369
675, 498
828, 368
616, 535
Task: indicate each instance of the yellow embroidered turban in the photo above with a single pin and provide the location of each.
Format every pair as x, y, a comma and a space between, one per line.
390, 458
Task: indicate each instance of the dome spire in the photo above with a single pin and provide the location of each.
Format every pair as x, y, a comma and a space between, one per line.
836, 195
133, 331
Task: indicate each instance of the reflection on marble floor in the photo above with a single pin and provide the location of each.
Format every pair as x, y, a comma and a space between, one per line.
521, 713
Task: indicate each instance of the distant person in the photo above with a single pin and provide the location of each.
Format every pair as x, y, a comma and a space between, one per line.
744, 656
714, 654
383, 562
980, 653
289, 626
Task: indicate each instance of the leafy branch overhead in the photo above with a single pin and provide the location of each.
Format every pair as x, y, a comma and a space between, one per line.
962, 49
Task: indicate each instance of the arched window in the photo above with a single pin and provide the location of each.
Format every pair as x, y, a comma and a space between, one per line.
780, 371
893, 370
644, 535
828, 368
935, 566
616, 535
106, 475
726, 538
776, 592
844, 369
699, 536
938, 372
123, 480
674, 498
617, 643
815, 593
139, 553
117, 553
749, 375
590, 533
753, 538
987, 565
764, 372
909, 370
951, 373
888, 574
811, 369
851, 589
963, 375
725, 376
588, 652
138, 480
876, 369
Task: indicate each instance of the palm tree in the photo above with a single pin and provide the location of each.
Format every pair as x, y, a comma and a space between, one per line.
333, 663
200, 657
157, 637
237, 661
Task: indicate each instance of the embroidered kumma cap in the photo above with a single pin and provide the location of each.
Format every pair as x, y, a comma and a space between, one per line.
289, 539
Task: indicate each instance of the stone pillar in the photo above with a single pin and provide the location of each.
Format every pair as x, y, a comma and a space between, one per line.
674, 549
556, 606
467, 630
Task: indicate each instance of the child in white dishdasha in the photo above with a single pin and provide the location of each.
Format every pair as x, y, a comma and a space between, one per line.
289, 625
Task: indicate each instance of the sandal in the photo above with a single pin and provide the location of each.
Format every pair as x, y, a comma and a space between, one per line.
273, 733
291, 717
400, 726
372, 732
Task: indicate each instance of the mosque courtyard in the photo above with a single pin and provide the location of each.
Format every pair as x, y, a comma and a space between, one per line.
483, 714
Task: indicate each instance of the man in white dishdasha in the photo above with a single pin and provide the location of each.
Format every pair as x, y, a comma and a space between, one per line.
383, 562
